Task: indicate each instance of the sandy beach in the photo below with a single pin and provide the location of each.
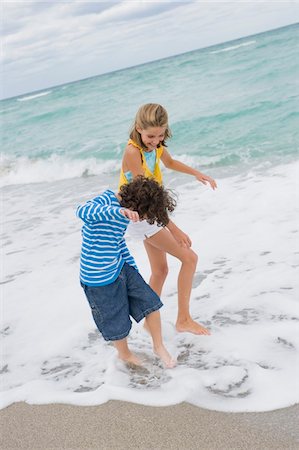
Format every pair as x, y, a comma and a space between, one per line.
119, 425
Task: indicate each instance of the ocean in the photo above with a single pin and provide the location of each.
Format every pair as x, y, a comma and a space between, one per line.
233, 112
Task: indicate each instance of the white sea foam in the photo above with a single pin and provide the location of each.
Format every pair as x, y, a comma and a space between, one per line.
33, 96
24, 170
245, 291
234, 47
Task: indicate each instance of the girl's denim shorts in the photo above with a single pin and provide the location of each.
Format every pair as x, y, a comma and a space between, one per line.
112, 305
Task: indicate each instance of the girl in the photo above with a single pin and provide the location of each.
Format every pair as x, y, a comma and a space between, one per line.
142, 156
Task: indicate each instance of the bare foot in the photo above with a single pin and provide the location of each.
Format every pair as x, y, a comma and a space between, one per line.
190, 326
130, 359
165, 357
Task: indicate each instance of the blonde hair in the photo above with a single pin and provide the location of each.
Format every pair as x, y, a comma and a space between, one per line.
150, 115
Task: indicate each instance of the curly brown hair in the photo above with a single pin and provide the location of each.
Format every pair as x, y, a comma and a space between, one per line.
151, 200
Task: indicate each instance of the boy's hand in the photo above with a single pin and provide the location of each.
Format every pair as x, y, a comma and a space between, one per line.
129, 214
206, 179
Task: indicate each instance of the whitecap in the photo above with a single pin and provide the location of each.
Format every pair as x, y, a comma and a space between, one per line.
33, 96
233, 47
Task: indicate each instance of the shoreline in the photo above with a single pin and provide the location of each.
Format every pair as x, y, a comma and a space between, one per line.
118, 425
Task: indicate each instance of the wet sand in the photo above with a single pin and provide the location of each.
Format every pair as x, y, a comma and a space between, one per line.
120, 426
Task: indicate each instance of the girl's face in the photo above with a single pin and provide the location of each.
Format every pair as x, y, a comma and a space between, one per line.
152, 136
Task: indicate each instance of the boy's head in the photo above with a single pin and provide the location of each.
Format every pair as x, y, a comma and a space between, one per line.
151, 200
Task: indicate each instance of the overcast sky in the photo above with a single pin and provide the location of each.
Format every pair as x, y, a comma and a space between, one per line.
55, 42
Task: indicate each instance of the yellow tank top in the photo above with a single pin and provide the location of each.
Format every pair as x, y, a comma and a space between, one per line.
156, 174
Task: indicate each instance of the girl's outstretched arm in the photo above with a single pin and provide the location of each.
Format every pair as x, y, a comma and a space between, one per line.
174, 164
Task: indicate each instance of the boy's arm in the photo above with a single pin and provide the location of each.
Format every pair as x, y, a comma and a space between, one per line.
130, 214
174, 164
97, 211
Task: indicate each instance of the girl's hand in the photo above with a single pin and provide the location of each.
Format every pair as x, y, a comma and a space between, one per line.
206, 179
129, 214
182, 238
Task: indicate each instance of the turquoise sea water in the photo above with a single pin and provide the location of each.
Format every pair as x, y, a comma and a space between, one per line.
234, 103
233, 110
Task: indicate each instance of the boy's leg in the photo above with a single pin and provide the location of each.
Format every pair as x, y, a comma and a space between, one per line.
163, 241
124, 353
153, 325
145, 303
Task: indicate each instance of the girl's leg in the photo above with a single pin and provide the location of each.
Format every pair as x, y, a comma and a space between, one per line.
124, 353
163, 242
153, 324
159, 267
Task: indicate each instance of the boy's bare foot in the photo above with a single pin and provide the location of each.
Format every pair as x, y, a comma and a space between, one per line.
130, 359
190, 326
165, 357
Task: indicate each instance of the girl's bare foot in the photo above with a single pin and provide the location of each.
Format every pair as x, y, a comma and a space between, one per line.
190, 326
165, 357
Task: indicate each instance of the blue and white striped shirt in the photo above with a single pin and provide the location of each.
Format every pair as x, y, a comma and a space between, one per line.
104, 250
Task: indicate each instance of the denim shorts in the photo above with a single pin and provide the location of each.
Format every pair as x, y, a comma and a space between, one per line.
113, 304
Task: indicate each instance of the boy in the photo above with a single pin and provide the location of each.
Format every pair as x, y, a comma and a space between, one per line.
108, 273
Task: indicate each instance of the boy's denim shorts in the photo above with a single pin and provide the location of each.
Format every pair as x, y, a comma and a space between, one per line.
113, 304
